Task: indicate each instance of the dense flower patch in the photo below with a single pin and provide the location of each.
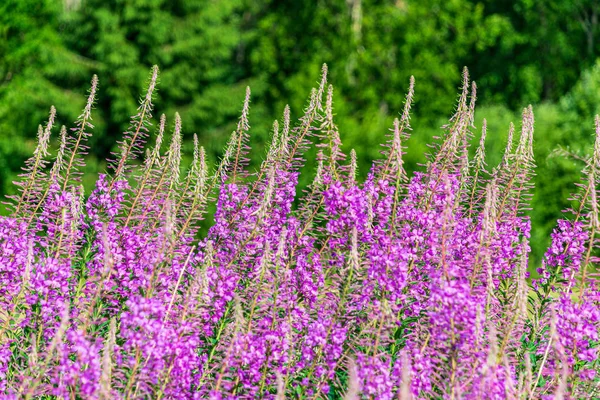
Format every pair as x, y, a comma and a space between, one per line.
395, 287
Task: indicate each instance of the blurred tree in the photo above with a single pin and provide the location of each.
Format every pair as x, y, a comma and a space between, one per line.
542, 53
32, 57
196, 43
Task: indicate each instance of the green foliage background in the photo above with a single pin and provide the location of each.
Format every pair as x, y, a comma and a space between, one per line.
540, 52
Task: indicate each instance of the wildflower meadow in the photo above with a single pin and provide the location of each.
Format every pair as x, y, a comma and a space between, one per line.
195, 281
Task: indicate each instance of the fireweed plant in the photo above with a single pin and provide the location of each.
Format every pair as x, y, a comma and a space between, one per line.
395, 287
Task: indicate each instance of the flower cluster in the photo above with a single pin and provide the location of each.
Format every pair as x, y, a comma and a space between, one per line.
394, 287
